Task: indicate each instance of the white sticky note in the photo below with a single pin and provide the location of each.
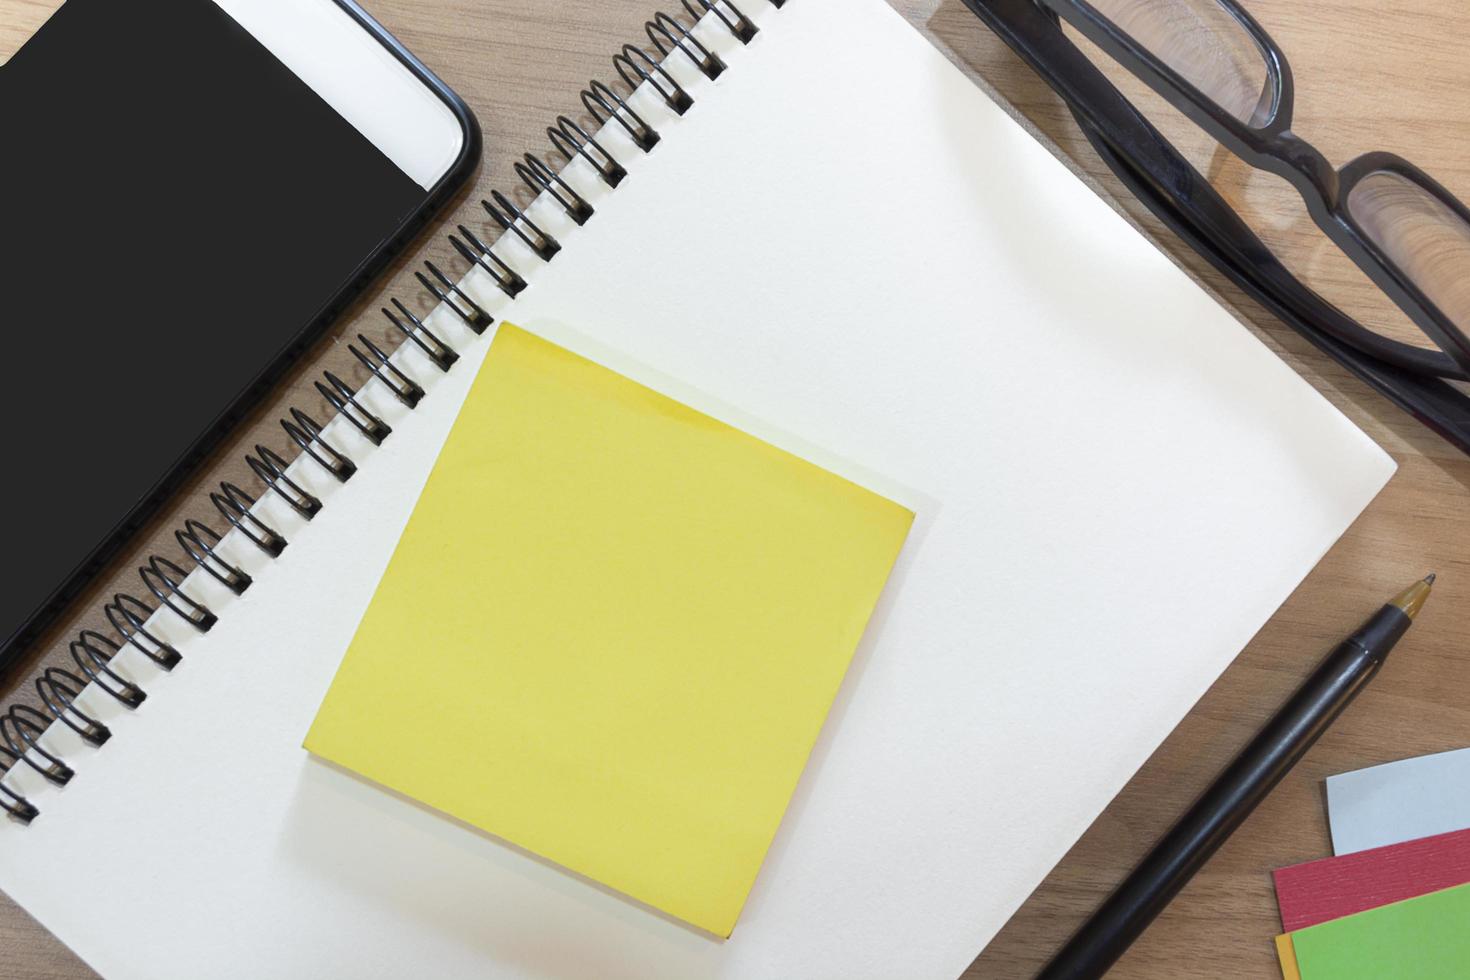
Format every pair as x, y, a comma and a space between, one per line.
1399, 801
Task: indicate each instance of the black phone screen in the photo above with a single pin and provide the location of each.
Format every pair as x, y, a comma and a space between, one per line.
176, 208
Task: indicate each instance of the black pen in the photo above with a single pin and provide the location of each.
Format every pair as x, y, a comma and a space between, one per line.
1245, 782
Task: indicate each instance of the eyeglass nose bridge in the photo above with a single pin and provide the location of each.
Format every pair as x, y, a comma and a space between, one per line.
1302, 165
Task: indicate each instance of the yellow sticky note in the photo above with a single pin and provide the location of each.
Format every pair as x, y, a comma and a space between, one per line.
1286, 953
611, 631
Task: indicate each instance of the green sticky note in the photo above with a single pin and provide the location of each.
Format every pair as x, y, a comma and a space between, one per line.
1424, 938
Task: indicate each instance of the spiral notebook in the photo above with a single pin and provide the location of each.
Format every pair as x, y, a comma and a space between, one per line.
806, 223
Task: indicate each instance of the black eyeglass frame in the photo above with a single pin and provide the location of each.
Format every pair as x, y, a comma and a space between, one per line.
1178, 195
1273, 147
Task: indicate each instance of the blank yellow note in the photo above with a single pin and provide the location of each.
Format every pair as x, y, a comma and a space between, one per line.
611, 631
1286, 953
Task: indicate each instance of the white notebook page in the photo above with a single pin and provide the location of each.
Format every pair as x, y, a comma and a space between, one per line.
848, 248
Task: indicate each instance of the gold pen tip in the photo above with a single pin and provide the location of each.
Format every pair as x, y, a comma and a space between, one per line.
1412, 599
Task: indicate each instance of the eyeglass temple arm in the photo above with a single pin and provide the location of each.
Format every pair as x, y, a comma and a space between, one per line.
1179, 196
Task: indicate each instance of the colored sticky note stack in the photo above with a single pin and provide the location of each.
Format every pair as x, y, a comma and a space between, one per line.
1395, 901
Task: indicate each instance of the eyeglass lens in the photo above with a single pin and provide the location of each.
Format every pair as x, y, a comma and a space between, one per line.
1206, 46
1421, 235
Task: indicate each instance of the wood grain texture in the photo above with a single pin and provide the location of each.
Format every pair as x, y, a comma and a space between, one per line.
1369, 76
19, 19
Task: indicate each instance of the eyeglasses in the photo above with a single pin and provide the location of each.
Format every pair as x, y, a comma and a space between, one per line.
1215, 64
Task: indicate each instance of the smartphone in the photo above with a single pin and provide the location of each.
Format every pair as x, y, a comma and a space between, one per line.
190, 192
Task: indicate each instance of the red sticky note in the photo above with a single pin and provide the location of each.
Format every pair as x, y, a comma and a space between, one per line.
1319, 891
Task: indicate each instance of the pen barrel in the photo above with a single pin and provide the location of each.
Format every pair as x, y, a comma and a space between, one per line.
1223, 807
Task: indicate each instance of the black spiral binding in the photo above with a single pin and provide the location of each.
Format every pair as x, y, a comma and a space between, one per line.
22, 725
16, 807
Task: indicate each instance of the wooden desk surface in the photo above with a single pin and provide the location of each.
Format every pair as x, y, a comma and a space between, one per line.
1369, 76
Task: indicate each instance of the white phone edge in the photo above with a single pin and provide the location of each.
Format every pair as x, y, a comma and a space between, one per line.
360, 78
